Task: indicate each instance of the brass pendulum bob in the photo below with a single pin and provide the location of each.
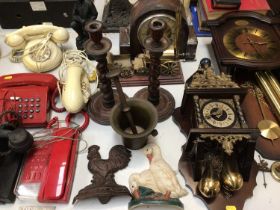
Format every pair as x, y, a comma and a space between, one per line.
159, 97
269, 129
231, 179
209, 185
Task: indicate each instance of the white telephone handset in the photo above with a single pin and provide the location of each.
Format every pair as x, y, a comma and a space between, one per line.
39, 45
76, 87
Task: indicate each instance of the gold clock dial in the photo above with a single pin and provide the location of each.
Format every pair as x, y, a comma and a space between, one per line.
250, 43
170, 31
218, 114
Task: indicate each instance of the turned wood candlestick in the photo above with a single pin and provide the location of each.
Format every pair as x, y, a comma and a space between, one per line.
97, 48
156, 44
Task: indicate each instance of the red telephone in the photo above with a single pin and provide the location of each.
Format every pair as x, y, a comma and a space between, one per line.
29, 95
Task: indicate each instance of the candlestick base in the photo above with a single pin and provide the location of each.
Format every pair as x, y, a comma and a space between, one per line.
166, 104
96, 110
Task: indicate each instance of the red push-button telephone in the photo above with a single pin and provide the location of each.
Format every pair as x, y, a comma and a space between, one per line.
29, 95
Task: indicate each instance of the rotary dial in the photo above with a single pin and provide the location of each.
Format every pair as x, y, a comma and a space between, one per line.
170, 31
218, 114
247, 42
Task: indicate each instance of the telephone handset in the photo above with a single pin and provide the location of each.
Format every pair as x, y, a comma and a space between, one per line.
29, 95
39, 46
76, 89
74, 78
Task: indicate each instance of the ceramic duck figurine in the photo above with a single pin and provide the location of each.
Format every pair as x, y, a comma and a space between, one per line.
165, 178
144, 179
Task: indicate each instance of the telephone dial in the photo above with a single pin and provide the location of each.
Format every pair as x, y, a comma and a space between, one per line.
37, 46
28, 94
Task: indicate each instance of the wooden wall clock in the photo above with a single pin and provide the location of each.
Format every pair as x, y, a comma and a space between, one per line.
172, 12
246, 40
212, 118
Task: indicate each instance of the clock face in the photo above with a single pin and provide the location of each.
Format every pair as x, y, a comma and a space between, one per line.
218, 114
250, 43
170, 31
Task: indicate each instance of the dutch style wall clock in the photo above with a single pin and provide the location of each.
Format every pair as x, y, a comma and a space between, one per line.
246, 40
212, 118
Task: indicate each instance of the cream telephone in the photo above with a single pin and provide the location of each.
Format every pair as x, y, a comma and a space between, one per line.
37, 46
76, 90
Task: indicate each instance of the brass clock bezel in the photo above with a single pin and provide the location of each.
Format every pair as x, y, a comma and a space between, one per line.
169, 31
267, 43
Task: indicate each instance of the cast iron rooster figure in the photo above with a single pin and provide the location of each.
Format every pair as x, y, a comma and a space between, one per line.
103, 185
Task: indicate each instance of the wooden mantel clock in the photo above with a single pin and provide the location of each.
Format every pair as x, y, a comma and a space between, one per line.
211, 117
246, 40
171, 12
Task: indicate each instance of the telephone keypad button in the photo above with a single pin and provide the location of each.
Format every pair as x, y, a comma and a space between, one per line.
19, 111
25, 105
25, 116
20, 99
37, 99
31, 99
37, 110
31, 116
31, 110
31, 105
25, 111
37, 105
26, 99
20, 106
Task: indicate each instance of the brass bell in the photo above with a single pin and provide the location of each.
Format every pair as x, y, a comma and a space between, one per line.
231, 178
209, 185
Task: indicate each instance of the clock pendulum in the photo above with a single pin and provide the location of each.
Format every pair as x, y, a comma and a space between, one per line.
97, 47
268, 128
159, 97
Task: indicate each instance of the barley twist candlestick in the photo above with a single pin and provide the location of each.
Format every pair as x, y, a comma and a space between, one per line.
161, 98
97, 48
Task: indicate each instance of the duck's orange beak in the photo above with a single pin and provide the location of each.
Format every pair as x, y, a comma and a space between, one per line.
150, 157
136, 194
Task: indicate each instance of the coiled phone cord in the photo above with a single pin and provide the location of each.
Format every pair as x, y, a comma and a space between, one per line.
53, 101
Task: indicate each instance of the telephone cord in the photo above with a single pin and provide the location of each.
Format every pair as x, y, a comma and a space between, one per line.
53, 101
71, 57
46, 134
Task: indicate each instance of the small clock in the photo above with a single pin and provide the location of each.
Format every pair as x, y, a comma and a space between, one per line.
246, 40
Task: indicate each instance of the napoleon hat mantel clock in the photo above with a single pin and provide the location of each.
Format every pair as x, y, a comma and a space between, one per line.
143, 11
246, 40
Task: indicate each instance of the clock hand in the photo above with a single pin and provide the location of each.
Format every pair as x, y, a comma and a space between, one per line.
261, 43
217, 113
252, 44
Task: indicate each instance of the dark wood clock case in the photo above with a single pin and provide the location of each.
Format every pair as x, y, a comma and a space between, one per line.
229, 63
143, 9
194, 150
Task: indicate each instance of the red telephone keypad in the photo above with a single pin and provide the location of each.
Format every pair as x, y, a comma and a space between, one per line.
30, 102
